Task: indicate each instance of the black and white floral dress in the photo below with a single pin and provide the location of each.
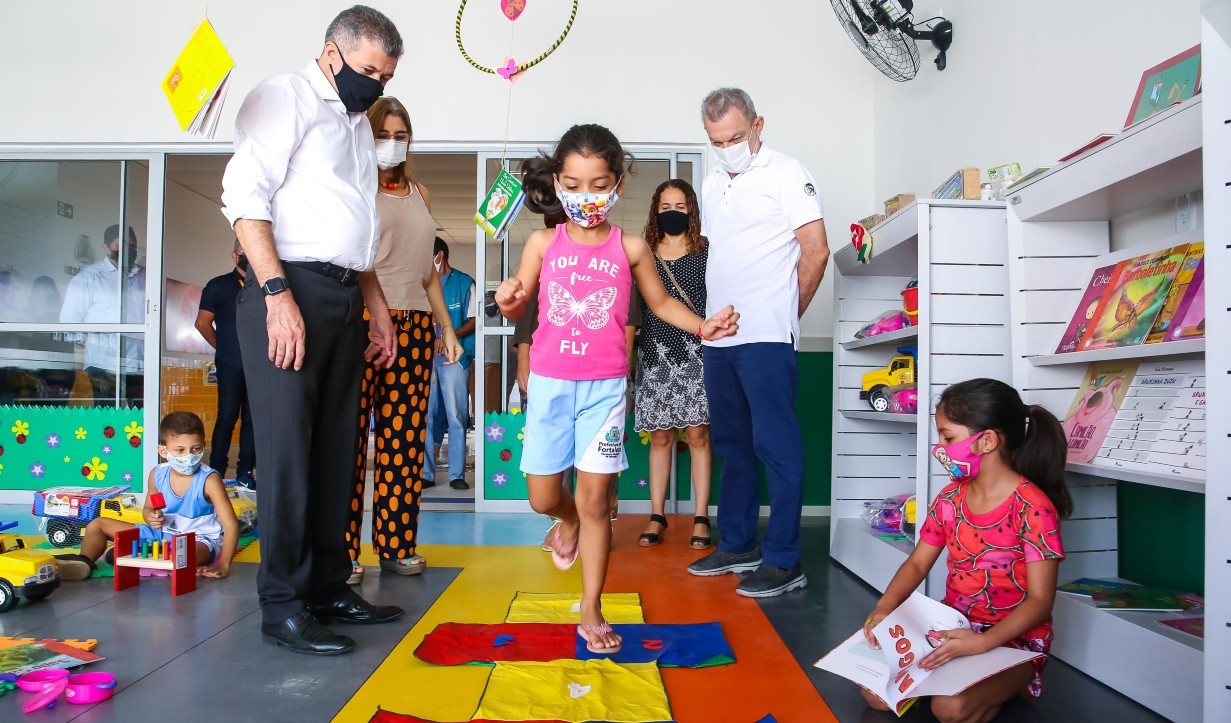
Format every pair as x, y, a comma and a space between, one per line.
670, 389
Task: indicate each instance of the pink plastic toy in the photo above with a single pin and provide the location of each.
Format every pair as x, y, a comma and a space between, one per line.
86, 688
904, 400
883, 324
46, 697
36, 680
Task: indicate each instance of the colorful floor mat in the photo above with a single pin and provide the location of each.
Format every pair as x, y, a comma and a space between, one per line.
576, 691
537, 607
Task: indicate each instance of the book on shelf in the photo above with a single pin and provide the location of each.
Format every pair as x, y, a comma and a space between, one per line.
1190, 316
1175, 295
1191, 626
1097, 141
1086, 585
1127, 312
1180, 446
1151, 420
1027, 176
1098, 287
906, 636
1145, 599
1098, 400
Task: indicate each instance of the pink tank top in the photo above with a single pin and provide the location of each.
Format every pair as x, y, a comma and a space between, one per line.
583, 308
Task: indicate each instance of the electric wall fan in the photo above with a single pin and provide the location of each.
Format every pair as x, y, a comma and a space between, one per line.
885, 33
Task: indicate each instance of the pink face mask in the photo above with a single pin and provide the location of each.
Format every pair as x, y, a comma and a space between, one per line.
958, 459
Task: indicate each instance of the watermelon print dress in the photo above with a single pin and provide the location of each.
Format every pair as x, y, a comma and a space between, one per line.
988, 554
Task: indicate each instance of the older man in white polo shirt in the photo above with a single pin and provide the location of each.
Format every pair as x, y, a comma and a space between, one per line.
762, 213
301, 194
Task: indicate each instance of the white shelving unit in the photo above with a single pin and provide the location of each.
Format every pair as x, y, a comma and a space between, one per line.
957, 250
1216, 112
1059, 223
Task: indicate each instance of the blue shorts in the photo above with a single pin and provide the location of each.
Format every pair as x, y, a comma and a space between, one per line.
574, 424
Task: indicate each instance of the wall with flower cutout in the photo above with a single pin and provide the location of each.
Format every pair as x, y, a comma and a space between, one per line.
81, 446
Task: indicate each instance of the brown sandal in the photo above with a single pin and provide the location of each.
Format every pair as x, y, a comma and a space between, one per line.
698, 542
650, 539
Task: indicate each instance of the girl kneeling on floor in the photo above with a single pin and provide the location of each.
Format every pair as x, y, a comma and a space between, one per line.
1000, 522
583, 271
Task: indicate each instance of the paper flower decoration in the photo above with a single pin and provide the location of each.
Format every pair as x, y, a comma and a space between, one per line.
500, 479
495, 433
95, 469
53, 440
80, 433
37, 470
21, 429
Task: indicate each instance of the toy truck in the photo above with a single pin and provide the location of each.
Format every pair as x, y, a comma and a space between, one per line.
27, 573
899, 371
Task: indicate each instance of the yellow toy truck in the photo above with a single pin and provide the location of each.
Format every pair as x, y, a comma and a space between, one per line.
32, 574
900, 370
127, 508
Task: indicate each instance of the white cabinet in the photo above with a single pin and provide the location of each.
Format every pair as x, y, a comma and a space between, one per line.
957, 250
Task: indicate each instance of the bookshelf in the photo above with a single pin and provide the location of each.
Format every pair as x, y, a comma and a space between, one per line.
958, 252
1059, 225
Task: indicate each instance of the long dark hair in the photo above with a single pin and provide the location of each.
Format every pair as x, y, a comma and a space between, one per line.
695, 242
589, 139
1033, 440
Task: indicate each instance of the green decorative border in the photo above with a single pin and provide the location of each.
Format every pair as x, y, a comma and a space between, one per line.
43, 447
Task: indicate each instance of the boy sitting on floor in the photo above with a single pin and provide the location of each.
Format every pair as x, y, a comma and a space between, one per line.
196, 501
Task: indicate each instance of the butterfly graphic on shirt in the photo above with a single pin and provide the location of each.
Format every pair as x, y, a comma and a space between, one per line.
592, 311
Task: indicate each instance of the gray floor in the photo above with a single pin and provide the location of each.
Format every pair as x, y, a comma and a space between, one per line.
836, 603
200, 656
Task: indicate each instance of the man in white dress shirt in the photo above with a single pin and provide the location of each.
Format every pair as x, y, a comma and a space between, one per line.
300, 192
94, 297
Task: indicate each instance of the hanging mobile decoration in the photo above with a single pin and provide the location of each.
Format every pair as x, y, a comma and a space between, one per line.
512, 9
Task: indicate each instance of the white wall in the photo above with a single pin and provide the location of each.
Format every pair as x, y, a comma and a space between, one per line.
1026, 82
640, 66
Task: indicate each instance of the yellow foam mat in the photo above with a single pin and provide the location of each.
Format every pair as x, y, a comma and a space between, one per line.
575, 691
548, 607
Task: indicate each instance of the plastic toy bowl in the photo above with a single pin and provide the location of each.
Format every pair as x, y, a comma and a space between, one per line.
86, 688
36, 680
904, 401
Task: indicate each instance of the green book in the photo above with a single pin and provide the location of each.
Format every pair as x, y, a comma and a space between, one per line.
501, 205
1142, 599
1087, 586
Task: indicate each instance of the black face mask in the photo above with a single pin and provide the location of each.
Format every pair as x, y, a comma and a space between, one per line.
242, 263
673, 223
357, 91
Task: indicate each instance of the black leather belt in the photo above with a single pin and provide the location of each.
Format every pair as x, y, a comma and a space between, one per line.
342, 274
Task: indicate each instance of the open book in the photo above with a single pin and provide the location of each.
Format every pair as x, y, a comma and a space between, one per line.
906, 636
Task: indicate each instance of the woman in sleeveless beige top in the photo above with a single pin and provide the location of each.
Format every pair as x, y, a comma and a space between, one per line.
395, 399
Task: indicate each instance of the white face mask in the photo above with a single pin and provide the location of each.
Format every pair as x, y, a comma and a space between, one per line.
390, 153
734, 158
437, 264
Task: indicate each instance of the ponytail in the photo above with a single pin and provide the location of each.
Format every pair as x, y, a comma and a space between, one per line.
538, 180
1033, 440
1040, 457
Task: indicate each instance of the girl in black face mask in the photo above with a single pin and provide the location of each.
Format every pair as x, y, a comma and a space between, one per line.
670, 388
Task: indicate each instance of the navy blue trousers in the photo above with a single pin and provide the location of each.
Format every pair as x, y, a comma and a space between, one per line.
751, 390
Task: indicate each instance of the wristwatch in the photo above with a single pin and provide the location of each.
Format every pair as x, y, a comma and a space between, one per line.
274, 286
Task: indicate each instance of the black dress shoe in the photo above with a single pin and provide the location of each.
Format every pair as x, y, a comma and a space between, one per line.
302, 633
351, 608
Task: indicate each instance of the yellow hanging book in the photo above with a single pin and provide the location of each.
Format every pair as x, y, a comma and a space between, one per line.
196, 84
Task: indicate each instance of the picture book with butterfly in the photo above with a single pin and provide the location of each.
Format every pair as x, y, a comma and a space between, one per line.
1101, 281
1190, 317
1175, 295
1128, 311
1094, 408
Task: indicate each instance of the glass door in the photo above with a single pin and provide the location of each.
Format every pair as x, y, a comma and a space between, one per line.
499, 485
80, 270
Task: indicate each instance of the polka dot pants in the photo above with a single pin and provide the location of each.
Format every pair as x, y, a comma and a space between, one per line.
396, 400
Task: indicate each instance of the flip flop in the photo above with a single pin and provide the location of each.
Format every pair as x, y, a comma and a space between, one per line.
586, 631
563, 555
650, 539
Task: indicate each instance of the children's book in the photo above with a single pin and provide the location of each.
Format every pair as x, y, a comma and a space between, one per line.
1128, 311
1192, 626
1144, 598
906, 636
1085, 586
501, 205
196, 85
1148, 420
42, 655
1189, 320
1101, 281
1175, 295
1095, 406
1097, 141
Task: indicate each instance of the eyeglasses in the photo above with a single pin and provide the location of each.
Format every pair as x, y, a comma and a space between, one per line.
402, 137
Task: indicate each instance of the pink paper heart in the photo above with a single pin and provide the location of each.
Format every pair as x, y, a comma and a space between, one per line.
508, 71
512, 8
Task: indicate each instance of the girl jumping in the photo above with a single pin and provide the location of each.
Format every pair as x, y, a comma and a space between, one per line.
583, 271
